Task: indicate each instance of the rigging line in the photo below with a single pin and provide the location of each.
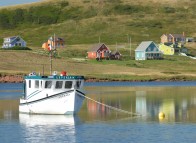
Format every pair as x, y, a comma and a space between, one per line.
114, 108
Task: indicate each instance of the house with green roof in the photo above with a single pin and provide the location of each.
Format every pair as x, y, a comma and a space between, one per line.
147, 50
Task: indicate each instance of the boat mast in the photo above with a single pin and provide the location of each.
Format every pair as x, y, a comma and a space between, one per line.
51, 56
52, 49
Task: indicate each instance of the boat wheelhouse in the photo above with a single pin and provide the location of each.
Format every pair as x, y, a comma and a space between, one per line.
56, 94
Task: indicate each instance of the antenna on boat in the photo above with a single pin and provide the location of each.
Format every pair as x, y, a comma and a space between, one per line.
42, 69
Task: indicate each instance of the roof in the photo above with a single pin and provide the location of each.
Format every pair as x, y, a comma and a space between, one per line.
96, 47
56, 77
56, 39
143, 46
10, 37
13, 39
174, 35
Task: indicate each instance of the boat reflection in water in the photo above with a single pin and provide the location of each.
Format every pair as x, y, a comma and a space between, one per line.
48, 128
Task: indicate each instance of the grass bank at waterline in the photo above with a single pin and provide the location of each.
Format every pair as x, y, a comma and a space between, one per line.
13, 62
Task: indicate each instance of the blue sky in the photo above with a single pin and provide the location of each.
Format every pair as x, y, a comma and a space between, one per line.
15, 2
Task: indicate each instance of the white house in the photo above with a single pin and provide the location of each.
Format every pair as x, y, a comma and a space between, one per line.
10, 42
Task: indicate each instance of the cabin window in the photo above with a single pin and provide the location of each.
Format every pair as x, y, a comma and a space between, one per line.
68, 84
59, 84
29, 83
37, 84
48, 84
78, 83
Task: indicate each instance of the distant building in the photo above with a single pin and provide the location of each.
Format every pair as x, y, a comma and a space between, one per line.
10, 42
167, 49
99, 51
147, 50
173, 38
53, 43
116, 55
190, 39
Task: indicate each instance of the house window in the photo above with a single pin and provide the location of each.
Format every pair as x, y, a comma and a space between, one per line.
48, 84
37, 84
29, 83
78, 83
68, 84
138, 55
59, 84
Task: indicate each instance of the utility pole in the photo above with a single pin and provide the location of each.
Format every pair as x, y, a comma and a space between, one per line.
51, 56
130, 45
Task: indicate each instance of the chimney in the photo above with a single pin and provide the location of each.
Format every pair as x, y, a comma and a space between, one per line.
183, 34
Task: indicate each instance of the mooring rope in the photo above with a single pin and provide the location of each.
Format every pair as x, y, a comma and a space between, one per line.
113, 108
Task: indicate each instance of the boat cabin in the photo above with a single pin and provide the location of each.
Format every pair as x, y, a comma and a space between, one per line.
51, 84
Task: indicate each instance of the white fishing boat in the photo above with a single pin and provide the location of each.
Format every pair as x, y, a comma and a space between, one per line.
56, 94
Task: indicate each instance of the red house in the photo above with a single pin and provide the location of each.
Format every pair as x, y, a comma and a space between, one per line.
99, 51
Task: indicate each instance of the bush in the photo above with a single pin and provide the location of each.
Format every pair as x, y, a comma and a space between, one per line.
126, 9
168, 10
17, 48
64, 3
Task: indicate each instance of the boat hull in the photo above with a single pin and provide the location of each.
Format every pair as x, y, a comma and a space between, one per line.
68, 102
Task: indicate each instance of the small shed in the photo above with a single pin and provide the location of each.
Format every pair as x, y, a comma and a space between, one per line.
147, 50
100, 51
115, 55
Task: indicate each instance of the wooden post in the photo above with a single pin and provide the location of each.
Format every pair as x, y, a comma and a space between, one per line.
130, 45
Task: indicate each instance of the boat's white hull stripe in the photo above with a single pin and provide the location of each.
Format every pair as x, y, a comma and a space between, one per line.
32, 94
52, 96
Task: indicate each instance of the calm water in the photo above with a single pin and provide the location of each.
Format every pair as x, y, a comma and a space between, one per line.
15, 2
96, 123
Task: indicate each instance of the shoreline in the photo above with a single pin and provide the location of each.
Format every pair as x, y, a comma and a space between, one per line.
19, 79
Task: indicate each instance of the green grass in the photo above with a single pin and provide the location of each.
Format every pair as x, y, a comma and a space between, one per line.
81, 23
84, 22
171, 68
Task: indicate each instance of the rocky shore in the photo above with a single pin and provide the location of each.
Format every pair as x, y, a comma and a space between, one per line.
11, 78
19, 79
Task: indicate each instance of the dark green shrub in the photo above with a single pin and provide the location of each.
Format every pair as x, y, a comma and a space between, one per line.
126, 9
17, 48
64, 4
168, 10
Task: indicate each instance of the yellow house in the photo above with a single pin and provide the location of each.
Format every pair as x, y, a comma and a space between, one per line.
167, 49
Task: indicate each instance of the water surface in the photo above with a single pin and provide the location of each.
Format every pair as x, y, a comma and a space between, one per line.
96, 123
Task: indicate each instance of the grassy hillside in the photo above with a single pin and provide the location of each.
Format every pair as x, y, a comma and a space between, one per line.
82, 22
